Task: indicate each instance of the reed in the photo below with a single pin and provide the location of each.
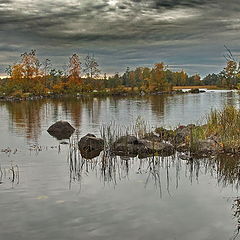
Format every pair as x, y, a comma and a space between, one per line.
113, 131
224, 125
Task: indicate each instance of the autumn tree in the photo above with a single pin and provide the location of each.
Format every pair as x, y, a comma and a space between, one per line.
125, 77
132, 79
91, 67
31, 64
139, 76
26, 74
179, 78
46, 71
158, 81
231, 73
146, 76
74, 69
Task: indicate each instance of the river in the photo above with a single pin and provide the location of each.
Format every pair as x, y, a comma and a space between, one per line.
44, 195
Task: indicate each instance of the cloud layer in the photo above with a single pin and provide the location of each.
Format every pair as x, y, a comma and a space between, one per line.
187, 34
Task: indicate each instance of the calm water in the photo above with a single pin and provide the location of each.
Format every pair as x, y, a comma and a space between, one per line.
168, 198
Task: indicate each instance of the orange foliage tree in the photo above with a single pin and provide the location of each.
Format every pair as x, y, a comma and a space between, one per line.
74, 78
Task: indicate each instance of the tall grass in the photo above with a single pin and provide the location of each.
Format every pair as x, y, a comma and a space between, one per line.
113, 131
225, 126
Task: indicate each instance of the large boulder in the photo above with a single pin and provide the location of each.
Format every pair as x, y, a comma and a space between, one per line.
61, 130
90, 146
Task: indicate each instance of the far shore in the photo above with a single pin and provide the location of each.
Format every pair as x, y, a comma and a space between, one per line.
123, 92
208, 87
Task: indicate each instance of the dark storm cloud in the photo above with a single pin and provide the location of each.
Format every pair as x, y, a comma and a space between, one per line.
182, 3
186, 34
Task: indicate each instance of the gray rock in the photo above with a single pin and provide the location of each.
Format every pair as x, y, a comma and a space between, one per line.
182, 132
90, 154
162, 148
185, 157
183, 147
129, 139
130, 145
126, 145
90, 143
206, 147
61, 130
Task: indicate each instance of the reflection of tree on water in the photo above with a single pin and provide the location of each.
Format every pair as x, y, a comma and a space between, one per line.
26, 117
158, 104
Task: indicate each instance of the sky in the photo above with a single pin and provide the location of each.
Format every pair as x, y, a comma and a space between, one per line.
185, 34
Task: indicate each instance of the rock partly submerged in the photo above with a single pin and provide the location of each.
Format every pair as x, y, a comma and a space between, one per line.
90, 146
159, 143
61, 130
131, 145
205, 148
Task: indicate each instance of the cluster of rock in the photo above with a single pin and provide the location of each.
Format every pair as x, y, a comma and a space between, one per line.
90, 146
131, 145
162, 143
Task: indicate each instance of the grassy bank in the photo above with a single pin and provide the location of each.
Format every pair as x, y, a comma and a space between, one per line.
220, 134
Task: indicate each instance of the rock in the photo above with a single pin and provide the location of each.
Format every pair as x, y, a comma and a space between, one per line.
129, 139
159, 148
90, 145
152, 137
126, 145
194, 90
90, 154
183, 147
130, 145
185, 157
205, 148
165, 134
61, 130
181, 133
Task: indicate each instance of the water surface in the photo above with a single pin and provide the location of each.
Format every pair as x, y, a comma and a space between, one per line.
163, 198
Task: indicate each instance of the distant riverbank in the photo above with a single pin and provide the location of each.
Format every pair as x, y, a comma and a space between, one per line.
124, 92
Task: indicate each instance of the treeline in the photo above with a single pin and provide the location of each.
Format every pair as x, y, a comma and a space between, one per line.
229, 77
30, 76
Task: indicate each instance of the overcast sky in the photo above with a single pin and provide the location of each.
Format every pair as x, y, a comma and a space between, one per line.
185, 34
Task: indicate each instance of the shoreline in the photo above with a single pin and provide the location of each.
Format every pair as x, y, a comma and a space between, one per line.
30, 97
